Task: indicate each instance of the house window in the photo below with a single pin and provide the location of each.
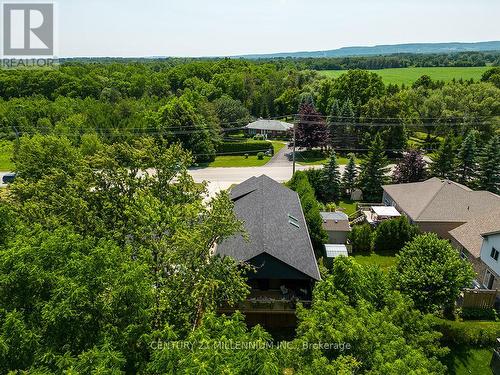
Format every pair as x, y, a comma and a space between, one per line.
489, 279
494, 253
463, 255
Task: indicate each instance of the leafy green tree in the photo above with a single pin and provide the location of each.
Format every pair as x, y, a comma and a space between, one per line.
361, 238
467, 158
350, 175
488, 176
431, 272
232, 113
358, 86
443, 164
331, 179
391, 235
373, 171
386, 335
300, 183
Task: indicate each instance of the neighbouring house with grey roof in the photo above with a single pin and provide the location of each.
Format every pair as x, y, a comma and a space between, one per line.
478, 241
438, 205
336, 224
278, 247
269, 128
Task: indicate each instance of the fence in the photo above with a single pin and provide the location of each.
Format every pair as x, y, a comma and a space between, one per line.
479, 298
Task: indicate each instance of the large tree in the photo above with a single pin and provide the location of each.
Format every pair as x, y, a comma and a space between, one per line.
443, 164
350, 175
331, 179
412, 168
431, 272
467, 158
311, 130
373, 171
488, 176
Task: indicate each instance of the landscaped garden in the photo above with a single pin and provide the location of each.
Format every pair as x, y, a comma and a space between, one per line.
318, 157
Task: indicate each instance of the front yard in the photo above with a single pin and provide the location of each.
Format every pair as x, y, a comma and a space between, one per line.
227, 161
316, 157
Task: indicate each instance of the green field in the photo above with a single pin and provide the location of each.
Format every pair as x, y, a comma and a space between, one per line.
5, 156
410, 75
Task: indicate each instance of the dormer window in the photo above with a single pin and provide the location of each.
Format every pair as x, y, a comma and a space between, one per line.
494, 254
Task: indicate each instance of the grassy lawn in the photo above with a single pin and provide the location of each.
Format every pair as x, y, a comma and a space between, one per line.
466, 361
384, 261
225, 161
6, 149
316, 157
348, 207
410, 75
237, 161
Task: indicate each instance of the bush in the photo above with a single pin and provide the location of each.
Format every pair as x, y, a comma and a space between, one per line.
310, 206
455, 333
471, 313
361, 238
249, 147
260, 156
392, 235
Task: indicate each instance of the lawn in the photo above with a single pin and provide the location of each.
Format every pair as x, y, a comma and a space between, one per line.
316, 157
225, 161
466, 361
348, 207
410, 75
384, 261
6, 149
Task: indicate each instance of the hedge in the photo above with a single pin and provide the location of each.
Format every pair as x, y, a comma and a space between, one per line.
249, 147
471, 333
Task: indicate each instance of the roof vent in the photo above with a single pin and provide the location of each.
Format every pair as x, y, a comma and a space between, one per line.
294, 223
293, 220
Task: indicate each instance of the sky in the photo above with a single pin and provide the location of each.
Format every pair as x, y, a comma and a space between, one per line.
233, 27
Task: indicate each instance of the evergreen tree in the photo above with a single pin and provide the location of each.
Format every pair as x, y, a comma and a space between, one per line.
488, 177
466, 158
332, 120
331, 179
373, 170
444, 161
350, 174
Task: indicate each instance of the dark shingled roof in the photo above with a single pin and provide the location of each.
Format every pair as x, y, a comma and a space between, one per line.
275, 223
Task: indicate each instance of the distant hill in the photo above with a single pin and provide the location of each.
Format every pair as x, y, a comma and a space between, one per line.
386, 50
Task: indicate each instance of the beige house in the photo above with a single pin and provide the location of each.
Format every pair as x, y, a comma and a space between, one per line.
336, 224
479, 242
438, 205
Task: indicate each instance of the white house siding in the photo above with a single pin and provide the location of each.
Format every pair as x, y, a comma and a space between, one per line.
490, 242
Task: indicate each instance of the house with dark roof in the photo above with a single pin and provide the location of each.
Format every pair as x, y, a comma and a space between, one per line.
479, 242
336, 224
438, 205
278, 247
269, 128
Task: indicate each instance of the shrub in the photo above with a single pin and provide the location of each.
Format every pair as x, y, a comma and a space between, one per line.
310, 206
260, 156
391, 235
455, 333
471, 313
249, 147
246, 156
361, 238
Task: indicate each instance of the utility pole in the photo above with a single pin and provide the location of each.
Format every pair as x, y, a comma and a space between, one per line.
294, 139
